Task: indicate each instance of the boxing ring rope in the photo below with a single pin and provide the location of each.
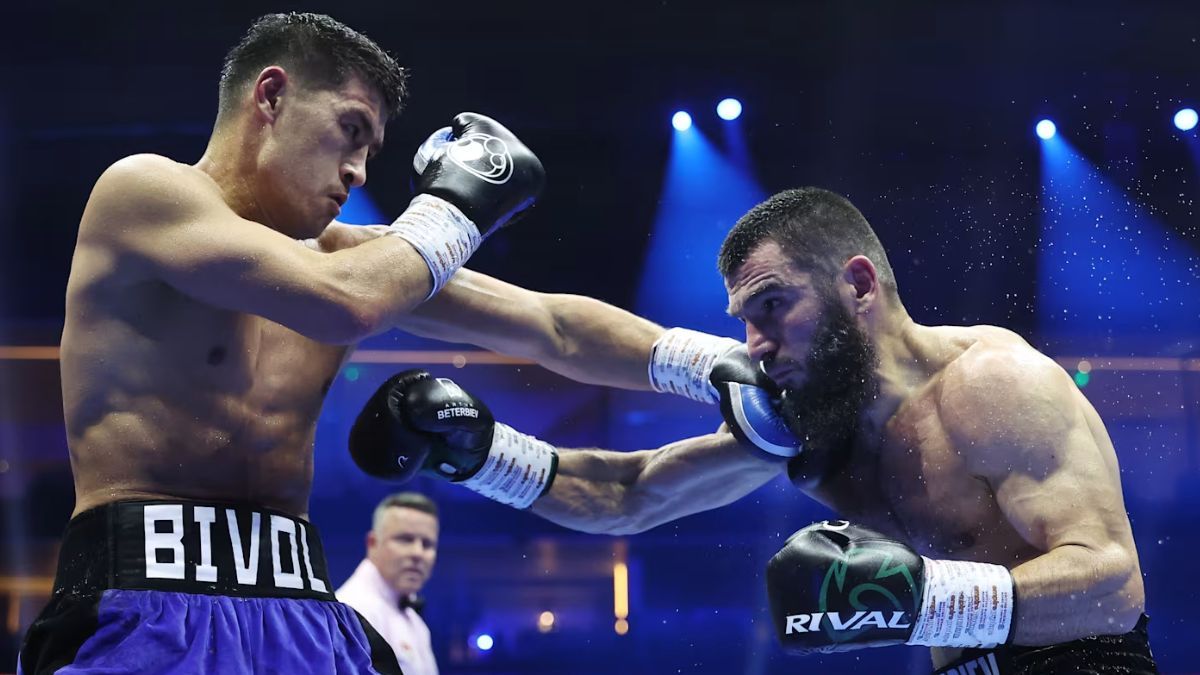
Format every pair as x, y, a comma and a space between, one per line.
398, 356
460, 358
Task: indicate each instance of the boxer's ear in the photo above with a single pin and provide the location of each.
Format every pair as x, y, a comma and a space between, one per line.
268, 92
860, 273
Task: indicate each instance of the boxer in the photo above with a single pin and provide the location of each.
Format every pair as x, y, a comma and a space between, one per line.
988, 518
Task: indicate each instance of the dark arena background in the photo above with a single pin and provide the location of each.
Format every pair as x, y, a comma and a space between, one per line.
933, 118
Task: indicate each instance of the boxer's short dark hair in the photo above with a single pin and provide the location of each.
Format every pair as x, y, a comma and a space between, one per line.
818, 229
320, 50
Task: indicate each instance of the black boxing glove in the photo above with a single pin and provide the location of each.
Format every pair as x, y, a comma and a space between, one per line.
416, 423
713, 369
482, 168
835, 587
473, 177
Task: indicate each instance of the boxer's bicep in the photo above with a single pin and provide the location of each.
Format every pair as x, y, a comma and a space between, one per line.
1060, 498
1022, 432
1026, 437
164, 222
615, 492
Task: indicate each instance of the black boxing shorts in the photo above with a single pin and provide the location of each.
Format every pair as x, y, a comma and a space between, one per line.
189, 587
1127, 654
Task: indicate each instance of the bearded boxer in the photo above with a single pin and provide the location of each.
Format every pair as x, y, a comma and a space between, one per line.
997, 529
201, 336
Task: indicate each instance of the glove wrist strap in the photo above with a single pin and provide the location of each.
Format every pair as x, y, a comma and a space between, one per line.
519, 468
440, 232
681, 361
964, 604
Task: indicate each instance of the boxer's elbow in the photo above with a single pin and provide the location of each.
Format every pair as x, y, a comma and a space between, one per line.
1121, 598
342, 317
334, 324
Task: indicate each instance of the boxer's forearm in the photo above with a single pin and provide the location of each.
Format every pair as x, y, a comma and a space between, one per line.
595, 491
1074, 591
578, 337
599, 343
627, 492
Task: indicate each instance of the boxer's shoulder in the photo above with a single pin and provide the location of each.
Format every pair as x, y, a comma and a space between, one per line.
990, 362
1000, 394
147, 189
140, 172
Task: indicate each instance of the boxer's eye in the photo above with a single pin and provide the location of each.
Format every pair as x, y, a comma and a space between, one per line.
351, 130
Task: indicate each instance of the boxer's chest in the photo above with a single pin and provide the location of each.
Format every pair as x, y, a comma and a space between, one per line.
932, 496
255, 360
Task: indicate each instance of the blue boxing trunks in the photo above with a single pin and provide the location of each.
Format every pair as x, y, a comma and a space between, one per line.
1127, 654
190, 587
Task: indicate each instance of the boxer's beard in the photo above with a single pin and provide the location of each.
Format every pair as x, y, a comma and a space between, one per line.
840, 382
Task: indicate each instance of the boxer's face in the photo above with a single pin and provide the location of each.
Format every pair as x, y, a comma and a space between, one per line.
805, 340
404, 548
316, 148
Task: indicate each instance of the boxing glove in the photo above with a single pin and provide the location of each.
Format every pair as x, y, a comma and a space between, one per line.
472, 178
835, 586
415, 423
713, 369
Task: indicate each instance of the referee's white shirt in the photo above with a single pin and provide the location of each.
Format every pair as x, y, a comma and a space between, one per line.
405, 630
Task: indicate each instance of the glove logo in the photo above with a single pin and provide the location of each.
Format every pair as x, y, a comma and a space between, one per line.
453, 391
484, 156
892, 581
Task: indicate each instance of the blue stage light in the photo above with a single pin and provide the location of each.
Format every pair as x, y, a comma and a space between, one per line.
484, 642
1046, 130
1185, 119
729, 109
681, 121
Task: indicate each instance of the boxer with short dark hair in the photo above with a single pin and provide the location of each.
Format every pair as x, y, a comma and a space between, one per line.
208, 309
998, 533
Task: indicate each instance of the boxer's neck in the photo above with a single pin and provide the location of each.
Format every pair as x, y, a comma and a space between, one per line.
229, 160
909, 355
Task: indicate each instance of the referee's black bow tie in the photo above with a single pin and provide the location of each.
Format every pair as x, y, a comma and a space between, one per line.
415, 601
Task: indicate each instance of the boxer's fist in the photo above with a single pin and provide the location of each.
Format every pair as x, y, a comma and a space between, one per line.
748, 401
482, 168
417, 423
836, 586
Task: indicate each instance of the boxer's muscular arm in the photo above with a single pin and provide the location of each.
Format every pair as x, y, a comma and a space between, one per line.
611, 492
1023, 428
578, 337
169, 222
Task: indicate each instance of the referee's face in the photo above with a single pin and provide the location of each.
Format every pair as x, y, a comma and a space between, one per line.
404, 548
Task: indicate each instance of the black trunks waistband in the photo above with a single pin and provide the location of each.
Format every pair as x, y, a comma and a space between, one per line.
1127, 654
192, 547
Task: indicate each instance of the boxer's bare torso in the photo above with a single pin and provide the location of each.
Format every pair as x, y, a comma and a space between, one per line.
167, 396
992, 455
931, 475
